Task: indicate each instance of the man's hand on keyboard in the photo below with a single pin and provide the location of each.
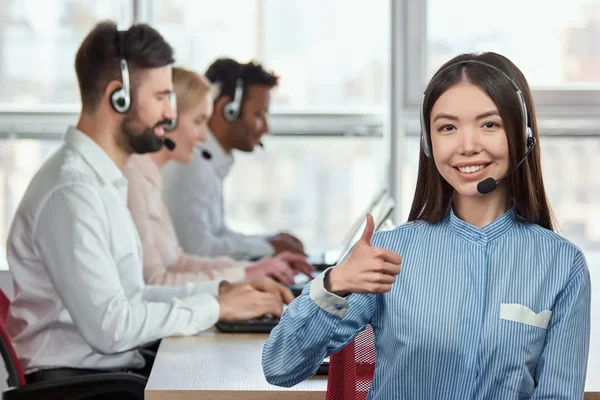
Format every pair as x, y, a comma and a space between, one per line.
243, 302
268, 285
273, 267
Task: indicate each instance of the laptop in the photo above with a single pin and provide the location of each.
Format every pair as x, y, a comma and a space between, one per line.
380, 209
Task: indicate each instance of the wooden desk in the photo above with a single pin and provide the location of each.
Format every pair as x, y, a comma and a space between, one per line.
220, 366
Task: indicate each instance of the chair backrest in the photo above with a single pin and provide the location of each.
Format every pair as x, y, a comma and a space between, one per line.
13, 366
351, 369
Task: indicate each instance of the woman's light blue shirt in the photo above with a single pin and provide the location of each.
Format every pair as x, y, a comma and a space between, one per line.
501, 312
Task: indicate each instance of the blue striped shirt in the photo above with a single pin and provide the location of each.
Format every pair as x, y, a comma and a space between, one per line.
501, 312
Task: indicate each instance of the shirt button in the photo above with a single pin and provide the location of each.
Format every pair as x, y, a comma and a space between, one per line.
339, 307
476, 236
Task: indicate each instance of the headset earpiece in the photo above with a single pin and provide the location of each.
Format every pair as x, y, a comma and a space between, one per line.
424, 137
172, 124
231, 110
120, 99
530, 140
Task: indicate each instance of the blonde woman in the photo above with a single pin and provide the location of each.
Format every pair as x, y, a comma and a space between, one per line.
165, 263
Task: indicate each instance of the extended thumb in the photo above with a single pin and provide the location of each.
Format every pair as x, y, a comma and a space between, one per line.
368, 232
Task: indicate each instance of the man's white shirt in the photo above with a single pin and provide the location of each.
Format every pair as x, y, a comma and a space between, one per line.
76, 260
193, 194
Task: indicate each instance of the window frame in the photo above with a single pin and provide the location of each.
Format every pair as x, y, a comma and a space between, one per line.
559, 112
567, 102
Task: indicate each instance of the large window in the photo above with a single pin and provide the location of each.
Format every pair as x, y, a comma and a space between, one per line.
38, 41
313, 187
330, 54
333, 61
19, 161
555, 43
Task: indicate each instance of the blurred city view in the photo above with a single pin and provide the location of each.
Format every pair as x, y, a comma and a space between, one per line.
332, 56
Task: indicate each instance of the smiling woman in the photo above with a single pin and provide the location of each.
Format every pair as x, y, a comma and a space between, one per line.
512, 296
470, 143
478, 117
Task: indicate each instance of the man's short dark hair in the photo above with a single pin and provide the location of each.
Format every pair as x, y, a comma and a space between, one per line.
226, 71
97, 60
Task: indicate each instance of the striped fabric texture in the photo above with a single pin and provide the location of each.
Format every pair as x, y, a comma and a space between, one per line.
501, 312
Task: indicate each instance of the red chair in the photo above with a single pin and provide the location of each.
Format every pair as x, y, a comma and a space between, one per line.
351, 369
130, 386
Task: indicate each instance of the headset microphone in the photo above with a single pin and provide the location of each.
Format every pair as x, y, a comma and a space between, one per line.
206, 154
490, 184
169, 144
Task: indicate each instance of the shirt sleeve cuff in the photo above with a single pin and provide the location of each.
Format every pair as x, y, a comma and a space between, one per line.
327, 301
205, 311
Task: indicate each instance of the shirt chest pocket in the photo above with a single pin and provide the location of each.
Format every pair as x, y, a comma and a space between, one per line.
518, 342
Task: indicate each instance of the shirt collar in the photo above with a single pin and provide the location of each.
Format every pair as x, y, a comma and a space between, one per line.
104, 167
492, 231
218, 158
148, 168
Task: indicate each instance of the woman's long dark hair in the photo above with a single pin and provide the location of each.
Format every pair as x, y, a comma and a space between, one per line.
525, 185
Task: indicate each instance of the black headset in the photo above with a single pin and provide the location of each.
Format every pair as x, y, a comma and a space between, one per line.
120, 99
529, 139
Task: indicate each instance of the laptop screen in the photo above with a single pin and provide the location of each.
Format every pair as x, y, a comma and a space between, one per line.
380, 209
351, 232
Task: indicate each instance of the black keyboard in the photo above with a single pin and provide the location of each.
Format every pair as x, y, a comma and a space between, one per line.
265, 319
258, 325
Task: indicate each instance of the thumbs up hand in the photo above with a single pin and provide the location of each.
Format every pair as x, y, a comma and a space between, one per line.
367, 269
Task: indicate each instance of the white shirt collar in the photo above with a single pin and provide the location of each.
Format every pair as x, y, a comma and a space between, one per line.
98, 160
218, 158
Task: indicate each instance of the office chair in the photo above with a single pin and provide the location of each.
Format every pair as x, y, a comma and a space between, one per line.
112, 385
351, 369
